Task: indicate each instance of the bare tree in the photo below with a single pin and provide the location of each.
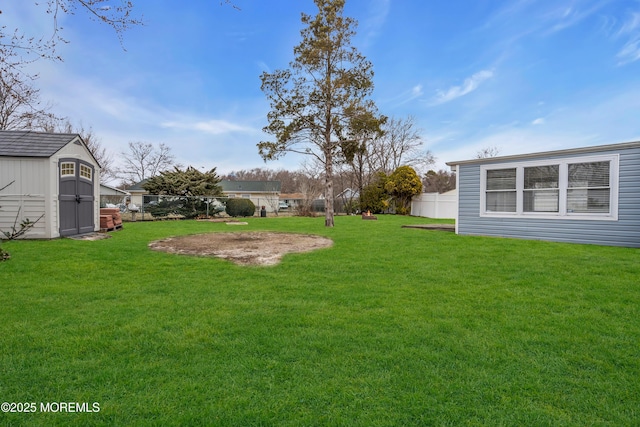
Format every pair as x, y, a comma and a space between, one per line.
288, 179
438, 182
20, 104
94, 144
310, 185
18, 48
401, 144
487, 152
144, 160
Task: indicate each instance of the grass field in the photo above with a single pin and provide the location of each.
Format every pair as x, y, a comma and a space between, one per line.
390, 326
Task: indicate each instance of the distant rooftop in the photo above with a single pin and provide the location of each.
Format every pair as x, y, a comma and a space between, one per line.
250, 186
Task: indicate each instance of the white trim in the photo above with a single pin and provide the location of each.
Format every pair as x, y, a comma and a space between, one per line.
547, 154
62, 169
614, 168
457, 222
86, 169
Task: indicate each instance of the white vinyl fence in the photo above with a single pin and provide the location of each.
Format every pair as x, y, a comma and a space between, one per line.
435, 205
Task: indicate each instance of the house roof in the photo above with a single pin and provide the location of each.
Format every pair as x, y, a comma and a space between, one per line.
349, 193
25, 143
250, 186
228, 186
109, 190
571, 151
137, 187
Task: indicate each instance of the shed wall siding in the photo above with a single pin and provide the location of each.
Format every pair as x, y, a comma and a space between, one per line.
26, 197
623, 232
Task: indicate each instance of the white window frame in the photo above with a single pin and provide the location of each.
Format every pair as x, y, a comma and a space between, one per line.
85, 168
563, 183
64, 168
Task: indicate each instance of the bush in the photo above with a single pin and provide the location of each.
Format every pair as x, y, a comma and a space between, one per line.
187, 207
240, 207
374, 199
401, 210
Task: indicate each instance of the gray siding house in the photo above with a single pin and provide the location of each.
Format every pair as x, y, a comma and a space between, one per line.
261, 193
583, 195
49, 176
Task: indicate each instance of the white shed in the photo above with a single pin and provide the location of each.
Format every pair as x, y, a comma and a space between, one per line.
51, 176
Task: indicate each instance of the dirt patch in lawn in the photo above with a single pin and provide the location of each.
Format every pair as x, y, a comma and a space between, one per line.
243, 248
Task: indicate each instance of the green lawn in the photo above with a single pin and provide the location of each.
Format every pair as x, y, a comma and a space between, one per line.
388, 327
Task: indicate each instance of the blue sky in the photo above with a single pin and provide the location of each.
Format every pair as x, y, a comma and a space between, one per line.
520, 75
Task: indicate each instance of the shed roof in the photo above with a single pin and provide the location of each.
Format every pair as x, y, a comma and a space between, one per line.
570, 151
250, 186
26, 143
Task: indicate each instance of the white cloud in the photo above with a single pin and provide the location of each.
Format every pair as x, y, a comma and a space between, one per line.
213, 127
538, 121
372, 25
470, 84
263, 66
407, 96
566, 17
630, 52
631, 25
628, 31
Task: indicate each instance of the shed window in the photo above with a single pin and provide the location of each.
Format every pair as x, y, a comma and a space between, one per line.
86, 172
67, 169
573, 188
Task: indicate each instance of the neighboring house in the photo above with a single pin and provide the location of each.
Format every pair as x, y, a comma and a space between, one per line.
292, 200
583, 195
52, 176
346, 201
348, 194
261, 193
112, 195
137, 193
435, 205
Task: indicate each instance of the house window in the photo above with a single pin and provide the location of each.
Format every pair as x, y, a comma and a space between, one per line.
572, 188
246, 196
501, 190
540, 191
67, 169
86, 172
589, 187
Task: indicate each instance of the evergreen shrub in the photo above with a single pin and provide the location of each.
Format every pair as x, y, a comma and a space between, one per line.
240, 207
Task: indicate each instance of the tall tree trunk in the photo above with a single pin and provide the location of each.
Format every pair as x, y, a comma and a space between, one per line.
328, 189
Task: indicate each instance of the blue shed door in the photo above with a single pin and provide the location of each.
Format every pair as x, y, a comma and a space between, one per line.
76, 197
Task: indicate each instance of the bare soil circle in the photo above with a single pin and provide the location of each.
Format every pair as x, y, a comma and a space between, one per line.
242, 248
